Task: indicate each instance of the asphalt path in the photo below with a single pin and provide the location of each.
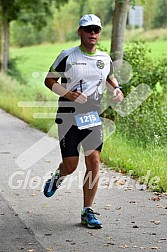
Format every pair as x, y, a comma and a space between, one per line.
134, 218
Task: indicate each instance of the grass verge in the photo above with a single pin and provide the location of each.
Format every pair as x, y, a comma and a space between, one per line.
125, 156
13, 94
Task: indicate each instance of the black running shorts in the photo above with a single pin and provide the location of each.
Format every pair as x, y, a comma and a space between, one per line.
71, 138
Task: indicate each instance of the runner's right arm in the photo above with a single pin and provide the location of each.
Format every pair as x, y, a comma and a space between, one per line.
51, 81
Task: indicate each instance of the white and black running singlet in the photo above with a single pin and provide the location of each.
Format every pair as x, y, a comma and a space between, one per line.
80, 71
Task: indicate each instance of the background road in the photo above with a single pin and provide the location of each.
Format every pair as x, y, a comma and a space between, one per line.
133, 219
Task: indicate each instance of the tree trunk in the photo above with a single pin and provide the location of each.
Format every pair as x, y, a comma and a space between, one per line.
4, 42
118, 29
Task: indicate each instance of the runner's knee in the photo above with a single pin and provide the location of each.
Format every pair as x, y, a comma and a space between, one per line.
70, 165
92, 162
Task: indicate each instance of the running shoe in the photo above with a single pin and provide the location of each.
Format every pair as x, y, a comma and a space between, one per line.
88, 219
52, 184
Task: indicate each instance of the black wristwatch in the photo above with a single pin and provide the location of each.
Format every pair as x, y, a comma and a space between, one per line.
118, 87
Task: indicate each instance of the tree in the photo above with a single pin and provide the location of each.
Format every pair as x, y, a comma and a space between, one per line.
5, 19
150, 10
160, 19
11, 10
102, 8
118, 28
65, 21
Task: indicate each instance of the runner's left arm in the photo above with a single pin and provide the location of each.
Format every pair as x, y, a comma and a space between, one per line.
113, 86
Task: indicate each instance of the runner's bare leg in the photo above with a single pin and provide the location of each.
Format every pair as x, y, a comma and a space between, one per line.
90, 186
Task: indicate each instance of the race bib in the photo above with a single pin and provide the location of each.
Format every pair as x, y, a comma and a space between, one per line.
88, 120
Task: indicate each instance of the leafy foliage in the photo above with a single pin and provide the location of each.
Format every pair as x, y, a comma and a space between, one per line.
148, 122
160, 19
32, 10
13, 70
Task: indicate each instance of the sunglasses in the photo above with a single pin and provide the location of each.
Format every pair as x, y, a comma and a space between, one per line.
90, 29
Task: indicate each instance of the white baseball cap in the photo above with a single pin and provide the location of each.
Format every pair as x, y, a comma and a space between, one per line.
90, 19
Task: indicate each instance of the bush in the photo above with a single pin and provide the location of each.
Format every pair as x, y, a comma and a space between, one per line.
148, 123
13, 70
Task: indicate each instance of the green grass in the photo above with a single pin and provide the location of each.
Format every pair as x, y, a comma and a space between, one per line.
127, 157
159, 34
12, 93
39, 58
158, 48
118, 153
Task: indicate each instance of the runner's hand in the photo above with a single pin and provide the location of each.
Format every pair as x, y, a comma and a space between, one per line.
77, 97
118, 95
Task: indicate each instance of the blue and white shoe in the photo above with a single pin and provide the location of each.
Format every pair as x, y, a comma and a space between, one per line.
88, 219
52, 184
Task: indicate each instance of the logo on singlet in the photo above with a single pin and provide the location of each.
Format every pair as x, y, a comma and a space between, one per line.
100, 64
78, 63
